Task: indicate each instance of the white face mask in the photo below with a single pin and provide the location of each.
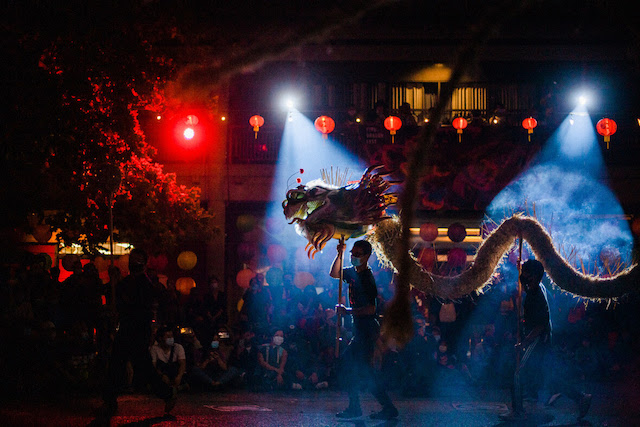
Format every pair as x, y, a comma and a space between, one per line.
169, 342
355, 261
278, 340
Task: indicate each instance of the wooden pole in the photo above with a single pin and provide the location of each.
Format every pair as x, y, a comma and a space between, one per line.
519, 315
338, 315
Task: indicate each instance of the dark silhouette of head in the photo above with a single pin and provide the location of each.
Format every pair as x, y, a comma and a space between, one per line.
531, 273
137, 261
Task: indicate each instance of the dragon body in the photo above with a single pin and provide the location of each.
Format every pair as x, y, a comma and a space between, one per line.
321, 211
490, 254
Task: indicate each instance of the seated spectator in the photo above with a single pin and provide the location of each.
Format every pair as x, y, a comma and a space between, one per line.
303, 365
272, 359
168, 358
214, 370
418, 361
245, 358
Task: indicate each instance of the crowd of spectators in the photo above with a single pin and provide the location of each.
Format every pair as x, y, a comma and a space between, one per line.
58, 336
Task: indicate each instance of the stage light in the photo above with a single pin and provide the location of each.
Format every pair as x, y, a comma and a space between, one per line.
188, 133
583, 98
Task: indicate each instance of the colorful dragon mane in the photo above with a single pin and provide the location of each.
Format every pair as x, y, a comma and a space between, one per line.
321, 211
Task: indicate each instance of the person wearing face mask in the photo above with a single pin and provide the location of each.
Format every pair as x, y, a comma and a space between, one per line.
358, 356
272, 358
168, 358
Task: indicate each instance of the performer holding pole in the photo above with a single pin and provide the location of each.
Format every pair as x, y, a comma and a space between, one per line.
358, 356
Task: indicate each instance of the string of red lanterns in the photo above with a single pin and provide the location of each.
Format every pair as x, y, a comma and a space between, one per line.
325, 125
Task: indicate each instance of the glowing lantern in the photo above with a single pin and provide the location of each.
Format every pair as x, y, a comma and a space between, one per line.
392, 124
459, 123
256, 121
529, 124
457, 232
243, 278
429, 232
158, 263
427, 258
191, 121
245, 223
457, 257
325, 125
185, 284
606, 127
276, 254
302, 279
187, 260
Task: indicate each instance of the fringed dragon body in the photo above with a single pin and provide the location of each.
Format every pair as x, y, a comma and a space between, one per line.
490, 254
321, 211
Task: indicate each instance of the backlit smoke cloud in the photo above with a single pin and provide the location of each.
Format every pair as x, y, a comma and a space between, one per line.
567, 187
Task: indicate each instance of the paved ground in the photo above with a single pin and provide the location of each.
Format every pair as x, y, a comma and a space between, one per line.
613, 405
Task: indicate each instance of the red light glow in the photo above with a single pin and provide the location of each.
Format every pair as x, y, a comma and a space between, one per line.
188, 133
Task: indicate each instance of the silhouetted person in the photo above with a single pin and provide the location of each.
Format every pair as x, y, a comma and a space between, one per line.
134, 297
536, 341
359, 353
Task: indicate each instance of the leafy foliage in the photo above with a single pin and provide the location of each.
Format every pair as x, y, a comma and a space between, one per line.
72, 142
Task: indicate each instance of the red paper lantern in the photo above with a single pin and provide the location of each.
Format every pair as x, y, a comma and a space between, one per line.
427, 258
187, 260
276, 254
457, 257
429, 232
392, 124
606, 127
325, 125
243, 278
529, 124
256, 121
185, 284
459, 123
457, 232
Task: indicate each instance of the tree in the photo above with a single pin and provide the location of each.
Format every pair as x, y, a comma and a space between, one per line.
72, 142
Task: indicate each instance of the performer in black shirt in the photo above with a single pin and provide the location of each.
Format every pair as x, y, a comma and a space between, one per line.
358, 356
537, 329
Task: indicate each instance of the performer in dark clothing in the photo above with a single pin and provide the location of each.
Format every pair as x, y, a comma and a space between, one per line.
134, 296
358, 356
536, 328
